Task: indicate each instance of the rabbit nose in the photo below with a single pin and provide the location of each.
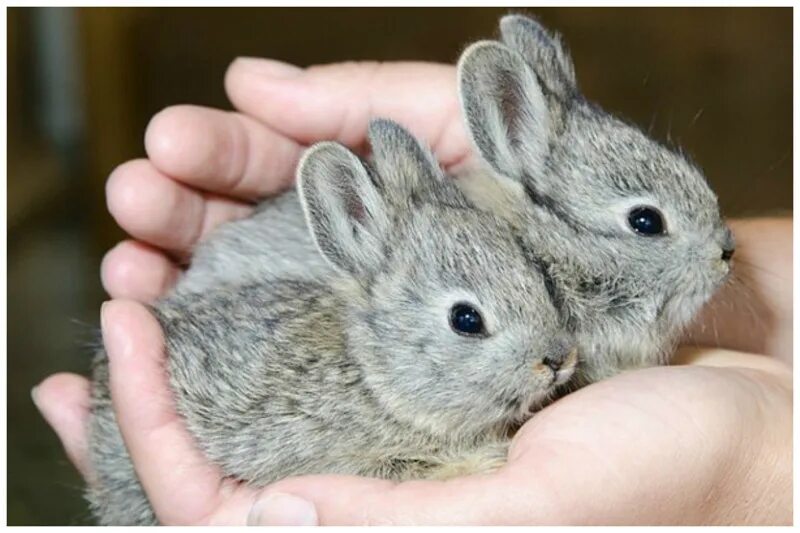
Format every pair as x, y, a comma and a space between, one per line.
727, 253
553, 362
728, 245
562, 359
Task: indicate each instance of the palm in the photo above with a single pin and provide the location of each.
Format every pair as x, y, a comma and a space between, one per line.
637, 437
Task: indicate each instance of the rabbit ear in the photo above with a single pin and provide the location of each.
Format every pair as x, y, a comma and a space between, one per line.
506, 111
345, 213
544, 52
403, 166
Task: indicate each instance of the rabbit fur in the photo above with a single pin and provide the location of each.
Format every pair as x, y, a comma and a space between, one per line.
574, 174
561, 174
355, 370
570, 172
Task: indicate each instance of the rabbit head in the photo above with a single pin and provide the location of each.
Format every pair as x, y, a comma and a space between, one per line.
453, 327
628, 228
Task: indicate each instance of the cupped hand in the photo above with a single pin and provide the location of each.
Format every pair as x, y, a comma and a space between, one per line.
207, 166
708, 442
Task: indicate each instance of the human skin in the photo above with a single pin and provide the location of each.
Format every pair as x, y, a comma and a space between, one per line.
753, 312
687, 444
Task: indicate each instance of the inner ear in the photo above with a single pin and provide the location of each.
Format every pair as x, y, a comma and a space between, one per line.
352, 203
506, 111
344, 210
511, 104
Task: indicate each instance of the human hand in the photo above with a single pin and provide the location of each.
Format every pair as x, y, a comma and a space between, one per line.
671, 445
753, 311
206, 166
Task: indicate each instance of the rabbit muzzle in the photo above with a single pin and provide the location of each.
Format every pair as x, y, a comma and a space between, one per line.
559, 366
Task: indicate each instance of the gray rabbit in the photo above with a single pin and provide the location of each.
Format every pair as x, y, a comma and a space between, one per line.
622, 233
430, 335
626, 230
272, 242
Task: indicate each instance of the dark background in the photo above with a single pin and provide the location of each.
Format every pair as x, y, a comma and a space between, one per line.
82, 84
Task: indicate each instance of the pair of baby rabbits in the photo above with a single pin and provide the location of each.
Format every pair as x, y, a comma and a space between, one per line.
387, 320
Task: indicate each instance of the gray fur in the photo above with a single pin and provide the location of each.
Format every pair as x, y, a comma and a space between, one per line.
355, 370
544, 50
571, 172
543, 226
272, 242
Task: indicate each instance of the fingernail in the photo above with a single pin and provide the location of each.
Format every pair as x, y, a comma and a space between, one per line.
115, 340
269, 67
279, 509
104, 329
103, 316
35, 396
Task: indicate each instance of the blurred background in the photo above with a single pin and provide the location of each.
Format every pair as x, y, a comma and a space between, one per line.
83, 82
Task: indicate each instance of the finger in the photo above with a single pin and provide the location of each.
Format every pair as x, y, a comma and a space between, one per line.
180, 484
336, 102
163, 212
502, 498
718, 357
219, 151
136, 271
63, 400
753, 311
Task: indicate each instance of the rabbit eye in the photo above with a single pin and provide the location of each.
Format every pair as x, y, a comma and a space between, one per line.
646, 220
466, 320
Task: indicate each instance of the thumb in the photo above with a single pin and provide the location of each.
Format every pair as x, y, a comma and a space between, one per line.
501, 498
63, 400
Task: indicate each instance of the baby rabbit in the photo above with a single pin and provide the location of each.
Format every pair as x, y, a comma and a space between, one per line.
626, 231
273, 241
431, 334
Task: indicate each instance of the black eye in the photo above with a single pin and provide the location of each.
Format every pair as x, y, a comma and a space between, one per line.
466, 320
646, 220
